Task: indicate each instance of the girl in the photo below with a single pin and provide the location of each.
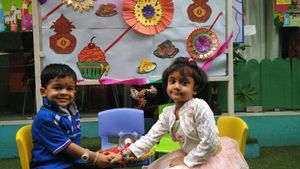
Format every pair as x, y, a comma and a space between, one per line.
190, 122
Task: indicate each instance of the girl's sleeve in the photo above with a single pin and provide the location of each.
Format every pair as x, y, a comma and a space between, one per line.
208, 135
147, 141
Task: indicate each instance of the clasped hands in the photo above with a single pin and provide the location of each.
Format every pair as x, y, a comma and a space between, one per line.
109, 158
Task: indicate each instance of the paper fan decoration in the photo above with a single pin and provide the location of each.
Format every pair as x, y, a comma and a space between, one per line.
80, 5
202, 44
148, 17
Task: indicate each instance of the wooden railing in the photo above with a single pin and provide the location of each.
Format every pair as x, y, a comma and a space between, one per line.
274, 85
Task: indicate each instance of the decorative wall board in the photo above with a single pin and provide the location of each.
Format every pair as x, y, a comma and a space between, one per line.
125, 56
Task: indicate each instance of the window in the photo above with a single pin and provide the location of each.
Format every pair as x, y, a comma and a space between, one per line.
17, 73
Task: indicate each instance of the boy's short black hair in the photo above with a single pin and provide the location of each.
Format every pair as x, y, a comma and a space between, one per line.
56, 70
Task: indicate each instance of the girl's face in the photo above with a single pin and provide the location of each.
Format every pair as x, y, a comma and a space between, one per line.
61, 91
180, 88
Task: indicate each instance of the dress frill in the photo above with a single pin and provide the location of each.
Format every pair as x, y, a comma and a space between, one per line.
228, 158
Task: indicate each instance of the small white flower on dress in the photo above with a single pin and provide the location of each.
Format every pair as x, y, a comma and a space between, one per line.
190, 112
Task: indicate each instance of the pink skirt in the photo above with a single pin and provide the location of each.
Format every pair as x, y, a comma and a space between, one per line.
228, 158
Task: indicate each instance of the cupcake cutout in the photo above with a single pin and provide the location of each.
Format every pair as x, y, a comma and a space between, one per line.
92, 62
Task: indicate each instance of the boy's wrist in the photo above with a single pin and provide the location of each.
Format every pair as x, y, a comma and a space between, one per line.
96, 157
85, 156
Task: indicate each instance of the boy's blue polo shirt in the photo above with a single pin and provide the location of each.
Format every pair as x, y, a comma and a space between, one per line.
53, 131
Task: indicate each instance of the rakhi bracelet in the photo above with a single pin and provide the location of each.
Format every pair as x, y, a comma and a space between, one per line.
125, 156
96, 158
123, 162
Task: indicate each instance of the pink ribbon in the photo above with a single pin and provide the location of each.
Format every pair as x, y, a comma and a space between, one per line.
135, 81
221, 50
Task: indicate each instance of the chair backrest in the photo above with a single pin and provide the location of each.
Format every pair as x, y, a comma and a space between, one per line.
24, 143
113, 121
235, 128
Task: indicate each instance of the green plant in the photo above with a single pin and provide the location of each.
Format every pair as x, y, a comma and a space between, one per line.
246, 93
238, 52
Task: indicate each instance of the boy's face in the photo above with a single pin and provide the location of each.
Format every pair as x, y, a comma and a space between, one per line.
60, 90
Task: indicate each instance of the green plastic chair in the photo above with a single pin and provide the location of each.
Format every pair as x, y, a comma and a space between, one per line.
166, 144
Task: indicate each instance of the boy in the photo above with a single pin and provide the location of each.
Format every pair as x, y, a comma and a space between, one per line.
56, 131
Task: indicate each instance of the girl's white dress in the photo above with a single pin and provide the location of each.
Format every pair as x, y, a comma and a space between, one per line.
197, 134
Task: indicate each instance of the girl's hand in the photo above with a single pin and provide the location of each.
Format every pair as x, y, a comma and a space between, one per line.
127, 151
176, 161
103, 160
116, 158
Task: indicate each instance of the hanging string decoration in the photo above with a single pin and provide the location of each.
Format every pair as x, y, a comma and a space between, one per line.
148, 17
203, 43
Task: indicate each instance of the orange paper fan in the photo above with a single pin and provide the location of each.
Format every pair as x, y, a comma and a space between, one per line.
148, 16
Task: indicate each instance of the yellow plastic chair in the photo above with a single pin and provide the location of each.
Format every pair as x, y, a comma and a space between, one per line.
166, 144
24, 143
235, 128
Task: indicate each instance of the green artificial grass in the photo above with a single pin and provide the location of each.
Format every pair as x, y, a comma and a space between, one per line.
271, 157
277, 158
